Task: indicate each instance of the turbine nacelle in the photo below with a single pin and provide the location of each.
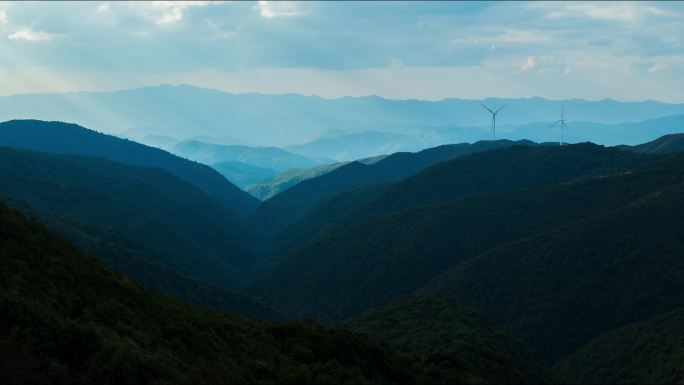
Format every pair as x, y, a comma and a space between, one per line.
563, 126
493, 118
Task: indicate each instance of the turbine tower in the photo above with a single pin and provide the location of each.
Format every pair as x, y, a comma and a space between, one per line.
494, 118
563, 126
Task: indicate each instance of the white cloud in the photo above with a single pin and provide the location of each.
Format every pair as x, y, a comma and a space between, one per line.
509, 36
626, 12
172, 11
271, 9
657, 67
28, 34
3, 16
104, 7
529, 65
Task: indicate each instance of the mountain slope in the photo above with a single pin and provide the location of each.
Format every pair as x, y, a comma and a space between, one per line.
64, 138
664, 145
65, 318
349, 147
453, 343
292, 204
566, 285
380, 258
265, 157
647, 352
510, 167
243, 174
124, 213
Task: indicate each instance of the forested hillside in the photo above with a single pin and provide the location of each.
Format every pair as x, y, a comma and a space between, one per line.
647, 352
380, 258
292, 204
64, 138
128, 215
454, 344
65, 318
566, 285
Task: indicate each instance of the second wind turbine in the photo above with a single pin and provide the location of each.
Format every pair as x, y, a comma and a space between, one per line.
494, 118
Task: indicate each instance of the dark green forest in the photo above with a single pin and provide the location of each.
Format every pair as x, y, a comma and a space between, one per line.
66, 318
496, 262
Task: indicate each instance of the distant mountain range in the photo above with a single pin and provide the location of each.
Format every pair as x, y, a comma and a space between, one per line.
185, 112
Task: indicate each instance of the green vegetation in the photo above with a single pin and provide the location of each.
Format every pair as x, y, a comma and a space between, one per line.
65, 318
450, 343
378, 259
289, 178
276, 213
64, 138
243, 174
648, 352
569, 284
128, 216
272, 158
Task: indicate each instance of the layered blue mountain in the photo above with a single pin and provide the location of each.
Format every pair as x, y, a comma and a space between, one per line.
64, 138
265, 157
243, 174
144, 222
353, 146
281, 120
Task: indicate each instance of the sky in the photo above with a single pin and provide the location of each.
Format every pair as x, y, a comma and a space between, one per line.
399, 50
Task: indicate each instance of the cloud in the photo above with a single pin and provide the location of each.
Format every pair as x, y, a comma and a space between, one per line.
3, 16
28, 34
626, 12
271, 9
104, 7
172, 11
657, 67
529, 65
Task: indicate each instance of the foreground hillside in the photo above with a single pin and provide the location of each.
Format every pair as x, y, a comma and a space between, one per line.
64, 138
454, 344
647, 352
65, 318
143, 222
568, 284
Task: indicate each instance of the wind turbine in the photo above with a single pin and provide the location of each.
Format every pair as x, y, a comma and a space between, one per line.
494, 118
563, 126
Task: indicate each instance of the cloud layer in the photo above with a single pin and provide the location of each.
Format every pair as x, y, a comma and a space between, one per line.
619, 50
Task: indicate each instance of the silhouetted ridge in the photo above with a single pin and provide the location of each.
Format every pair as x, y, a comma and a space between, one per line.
65, 138
144, 222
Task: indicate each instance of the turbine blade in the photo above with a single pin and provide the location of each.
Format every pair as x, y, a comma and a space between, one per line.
487, 108
562, 110
554, 124
566, 126
502, 107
